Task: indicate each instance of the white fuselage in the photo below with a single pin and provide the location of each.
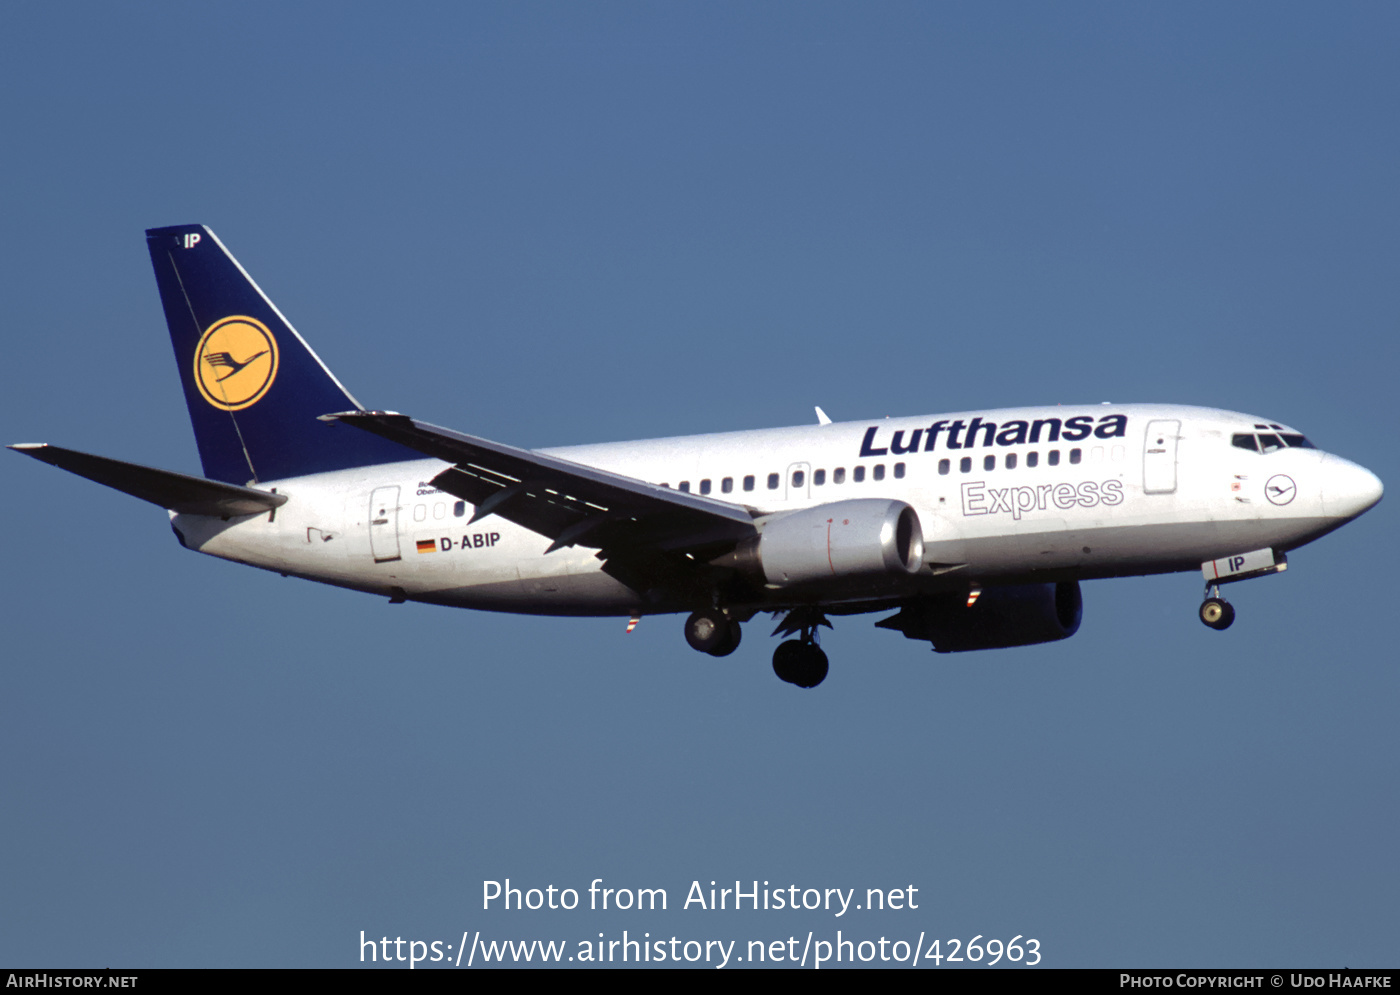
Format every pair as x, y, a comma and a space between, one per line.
1006, 496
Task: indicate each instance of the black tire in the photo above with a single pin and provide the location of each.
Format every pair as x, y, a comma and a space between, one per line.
787, 661
731, 640
813, 669
707, 630
1217, 613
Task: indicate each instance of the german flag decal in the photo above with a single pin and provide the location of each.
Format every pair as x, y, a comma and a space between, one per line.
427, 545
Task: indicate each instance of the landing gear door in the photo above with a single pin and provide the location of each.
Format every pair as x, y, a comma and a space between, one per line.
384, 524
1159, 457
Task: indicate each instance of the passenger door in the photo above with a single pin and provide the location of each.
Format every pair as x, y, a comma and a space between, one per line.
384, 524
1159, 457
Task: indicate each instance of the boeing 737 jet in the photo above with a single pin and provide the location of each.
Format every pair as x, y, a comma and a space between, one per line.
972, 529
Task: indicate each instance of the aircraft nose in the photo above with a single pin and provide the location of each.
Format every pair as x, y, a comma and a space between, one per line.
1350, 489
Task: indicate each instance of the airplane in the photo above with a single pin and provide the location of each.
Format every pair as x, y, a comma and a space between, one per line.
973, 528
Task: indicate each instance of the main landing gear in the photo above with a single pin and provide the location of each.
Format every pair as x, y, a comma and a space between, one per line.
712, 632
801, 661
1216, 612
798, 661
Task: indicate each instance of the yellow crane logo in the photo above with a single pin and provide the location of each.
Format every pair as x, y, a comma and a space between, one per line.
235, 363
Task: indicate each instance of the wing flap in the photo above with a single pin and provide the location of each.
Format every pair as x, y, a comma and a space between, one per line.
174, 491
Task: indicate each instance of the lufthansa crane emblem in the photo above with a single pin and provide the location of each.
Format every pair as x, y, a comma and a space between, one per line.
1280, 489
235, 363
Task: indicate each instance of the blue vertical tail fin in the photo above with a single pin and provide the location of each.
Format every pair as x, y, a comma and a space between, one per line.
253, 386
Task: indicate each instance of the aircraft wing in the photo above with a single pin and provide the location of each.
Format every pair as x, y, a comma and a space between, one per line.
573, 504
175, 491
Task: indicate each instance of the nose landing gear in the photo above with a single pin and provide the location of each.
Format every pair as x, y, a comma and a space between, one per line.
1216, 612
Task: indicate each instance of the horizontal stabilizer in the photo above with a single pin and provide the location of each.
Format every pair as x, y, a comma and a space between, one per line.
175, 491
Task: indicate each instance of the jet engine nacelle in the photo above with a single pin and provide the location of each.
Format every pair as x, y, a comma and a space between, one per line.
1001, 617
861, 538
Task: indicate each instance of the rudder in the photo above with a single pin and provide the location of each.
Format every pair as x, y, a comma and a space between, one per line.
253, 386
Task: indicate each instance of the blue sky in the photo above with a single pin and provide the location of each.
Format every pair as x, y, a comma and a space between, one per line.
552, 224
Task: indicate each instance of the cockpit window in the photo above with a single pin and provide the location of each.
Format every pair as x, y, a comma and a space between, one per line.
1267, 442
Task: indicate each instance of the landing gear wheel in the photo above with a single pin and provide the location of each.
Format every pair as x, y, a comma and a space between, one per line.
803, 664
731, 640
1217, 613
814, 668
707, 631
787, 660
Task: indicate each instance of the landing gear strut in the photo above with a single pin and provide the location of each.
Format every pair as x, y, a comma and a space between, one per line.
1216, 612
712, 632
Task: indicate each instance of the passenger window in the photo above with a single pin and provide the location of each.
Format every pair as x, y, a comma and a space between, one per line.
1053, 457
684, 485
420, 512
965, 464
899, 471
727, 485
1096, 454
838, 476
1074, 455
439, 510
705, 486
879, 471
943, 467
858, 474
1011, 461
773, 481
818, 477
989, 462
748, 482
1032, 459
459, 509
1116, 454
798, 478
